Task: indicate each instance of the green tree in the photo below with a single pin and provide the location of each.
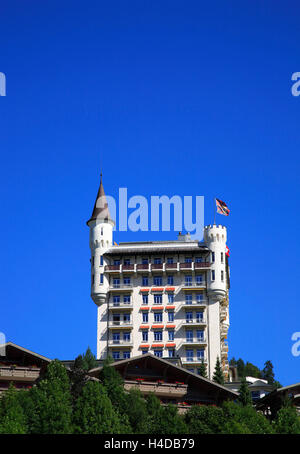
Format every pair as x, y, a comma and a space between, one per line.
114, 384
137, 412
89, 360
240, 368
171, 422
268, 372
205, 420
51, 409
218, 376
250, 370
287, 420
12, 417
94, 413
239, 419
244, 393
202, 370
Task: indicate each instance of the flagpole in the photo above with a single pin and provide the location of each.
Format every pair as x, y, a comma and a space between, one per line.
215, 210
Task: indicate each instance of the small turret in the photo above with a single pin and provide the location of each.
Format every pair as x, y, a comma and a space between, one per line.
101, 237
215, 237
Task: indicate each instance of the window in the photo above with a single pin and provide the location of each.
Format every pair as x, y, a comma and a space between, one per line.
145, 336
200, 354
117, 262
188, 260
189, 335
101, 230
116, 300
116, 355
126, 261
158, 316
213, 257
171, 352
126, 354
101, 278
145, 299
171, 335
212, 275
101, 260
158, 335
126, 280
170, 298
93, 261
188, 298
199, 316
126, 299
199, 278
116, 338
157, 299
189, 317
170, 316
145, 280
188, 280
157, 280
157, 261
116, 319
145, 261
222, 257
116, 283
158, 353
144, 351
126, 318
199, 297
200, 335
222, 275
170, 280
190, 355
145, 317
126, 336
198, 259
170, 260
93, 279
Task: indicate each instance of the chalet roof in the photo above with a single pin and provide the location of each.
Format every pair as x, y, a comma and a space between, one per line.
10, 345
184, 374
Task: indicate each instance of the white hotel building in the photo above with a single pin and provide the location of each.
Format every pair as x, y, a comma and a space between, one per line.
168, 298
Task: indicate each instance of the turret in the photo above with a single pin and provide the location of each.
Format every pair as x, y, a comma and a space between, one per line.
215, 237
101, 237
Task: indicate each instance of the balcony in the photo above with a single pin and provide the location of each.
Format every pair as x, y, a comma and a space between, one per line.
120, 306
19, 373
143, 267
194, 305
194, 285
120, 343
193, 322
157, 266
186, 266
201, 265
159, 389
197, 342
112, 268
171, 266
122, 324
193, 361
120, 287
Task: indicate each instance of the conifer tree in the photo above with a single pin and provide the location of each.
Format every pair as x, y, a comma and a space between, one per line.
218, 376
244, 393
202, 370
12, 417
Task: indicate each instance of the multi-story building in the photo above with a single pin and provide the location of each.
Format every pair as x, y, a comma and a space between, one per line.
169, 298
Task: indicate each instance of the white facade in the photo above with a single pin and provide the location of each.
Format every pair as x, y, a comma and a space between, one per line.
167, 298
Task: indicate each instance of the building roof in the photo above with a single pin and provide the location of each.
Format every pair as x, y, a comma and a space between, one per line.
275, 396
182, 374
157, 248
11, 347
101, 211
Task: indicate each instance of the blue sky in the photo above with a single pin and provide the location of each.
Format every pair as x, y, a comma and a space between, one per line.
167, 97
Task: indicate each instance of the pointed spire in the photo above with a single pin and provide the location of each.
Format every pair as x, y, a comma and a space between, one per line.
101, 211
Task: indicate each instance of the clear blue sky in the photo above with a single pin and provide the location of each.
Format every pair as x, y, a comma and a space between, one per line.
168, 97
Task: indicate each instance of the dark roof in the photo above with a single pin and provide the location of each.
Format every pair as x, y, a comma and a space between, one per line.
101, 211
155, 250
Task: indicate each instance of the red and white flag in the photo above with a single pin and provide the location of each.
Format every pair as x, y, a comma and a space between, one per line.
227, 251
222, 208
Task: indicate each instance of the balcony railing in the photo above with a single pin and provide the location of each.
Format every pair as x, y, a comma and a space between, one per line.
193, 360
160, 389
121, 305
194, 341
120, 324
133, 267
193, 322
192, 284
120, 286
120, 343
19, 372
193, 305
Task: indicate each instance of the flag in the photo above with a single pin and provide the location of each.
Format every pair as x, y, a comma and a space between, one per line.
227, 251
222, 208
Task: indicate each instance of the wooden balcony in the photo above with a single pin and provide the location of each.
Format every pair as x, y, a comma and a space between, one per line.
19, 373
159, 389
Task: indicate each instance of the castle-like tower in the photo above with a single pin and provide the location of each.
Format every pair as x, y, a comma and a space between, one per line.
169, 298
